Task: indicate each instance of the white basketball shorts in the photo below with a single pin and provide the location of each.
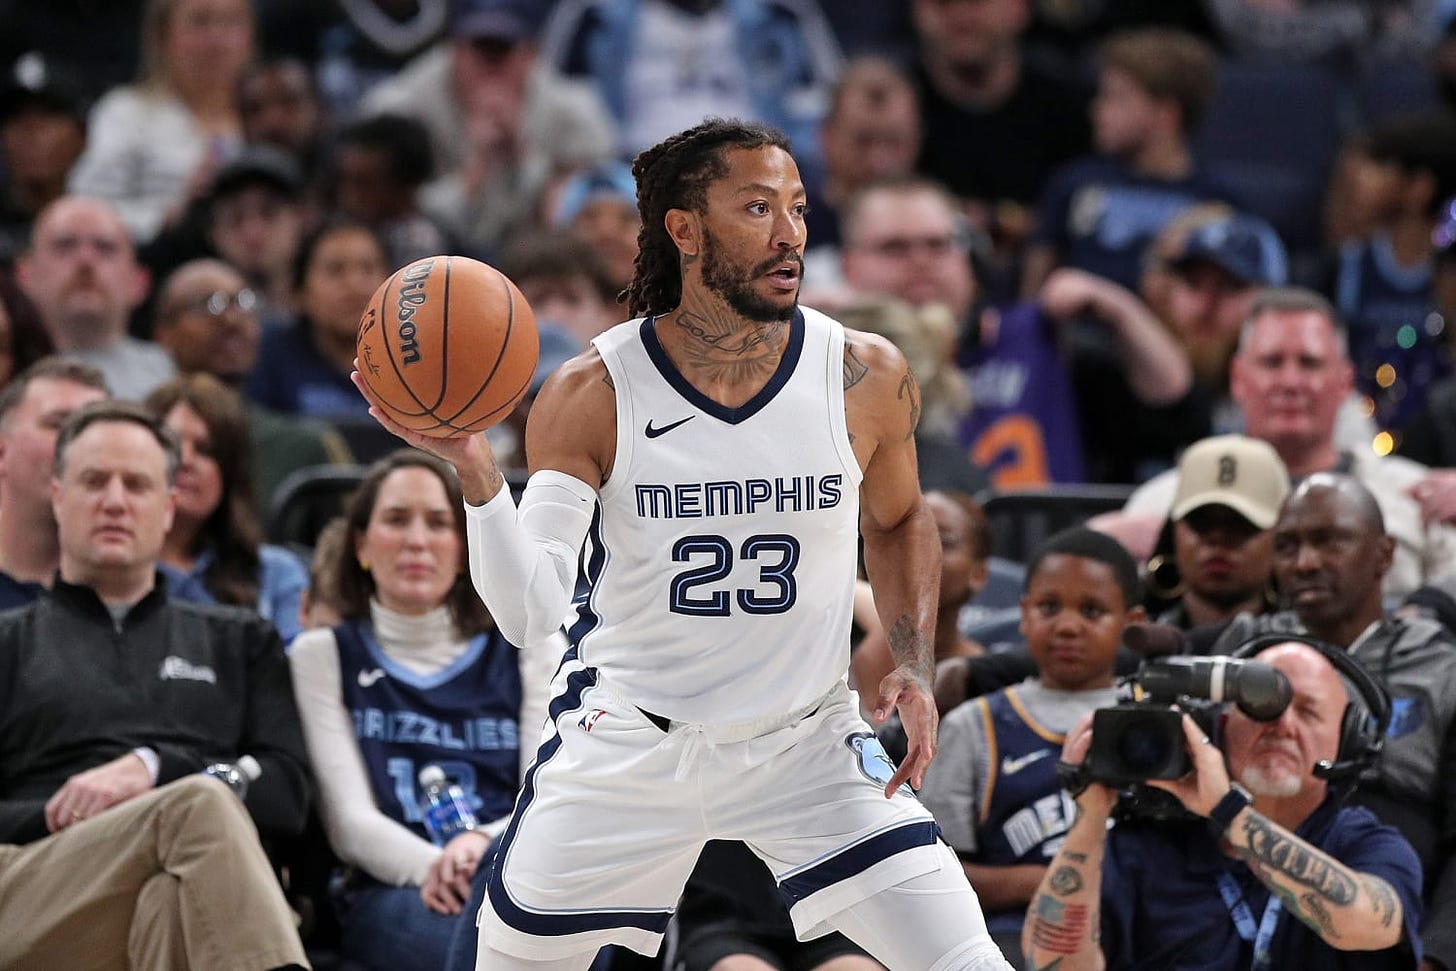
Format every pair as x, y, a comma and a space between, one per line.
612, 815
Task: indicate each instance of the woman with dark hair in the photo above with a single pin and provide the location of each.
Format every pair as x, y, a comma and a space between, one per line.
303, 368
414, 675
214, 551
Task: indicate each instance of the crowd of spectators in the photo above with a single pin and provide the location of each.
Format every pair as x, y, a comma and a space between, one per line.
1201, 251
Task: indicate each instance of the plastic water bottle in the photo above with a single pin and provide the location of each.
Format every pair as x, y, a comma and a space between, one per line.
236, 775
444, 806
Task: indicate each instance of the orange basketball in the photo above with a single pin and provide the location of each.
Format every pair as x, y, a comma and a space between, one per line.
448, 345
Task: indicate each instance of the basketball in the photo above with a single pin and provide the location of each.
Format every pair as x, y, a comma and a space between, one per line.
448, 345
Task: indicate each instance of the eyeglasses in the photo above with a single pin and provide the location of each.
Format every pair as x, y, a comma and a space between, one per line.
902, 247
218, 302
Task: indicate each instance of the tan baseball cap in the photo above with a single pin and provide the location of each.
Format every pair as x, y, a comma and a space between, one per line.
1243, 473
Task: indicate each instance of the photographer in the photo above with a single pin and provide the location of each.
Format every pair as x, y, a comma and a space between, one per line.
1270, 880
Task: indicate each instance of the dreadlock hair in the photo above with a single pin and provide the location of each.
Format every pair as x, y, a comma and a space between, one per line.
675, 174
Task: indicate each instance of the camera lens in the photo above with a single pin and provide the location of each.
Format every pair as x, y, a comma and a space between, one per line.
1144, 748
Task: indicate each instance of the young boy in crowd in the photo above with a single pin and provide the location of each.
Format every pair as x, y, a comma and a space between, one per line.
993, 787
1100, 212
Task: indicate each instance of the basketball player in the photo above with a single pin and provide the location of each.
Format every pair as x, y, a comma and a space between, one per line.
718, 456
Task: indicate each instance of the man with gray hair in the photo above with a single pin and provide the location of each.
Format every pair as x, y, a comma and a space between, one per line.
1289, 377
109, 692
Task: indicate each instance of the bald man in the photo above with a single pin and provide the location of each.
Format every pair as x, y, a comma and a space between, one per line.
207, 319
1331, 554
82, 273
1324, 886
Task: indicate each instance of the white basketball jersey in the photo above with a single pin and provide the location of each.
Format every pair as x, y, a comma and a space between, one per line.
722, 562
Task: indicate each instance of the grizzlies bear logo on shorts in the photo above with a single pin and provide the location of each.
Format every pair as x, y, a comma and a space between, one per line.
874, 763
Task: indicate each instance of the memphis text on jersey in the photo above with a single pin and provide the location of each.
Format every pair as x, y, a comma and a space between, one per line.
697, 500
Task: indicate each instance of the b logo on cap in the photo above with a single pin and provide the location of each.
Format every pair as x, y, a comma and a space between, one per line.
1228, 470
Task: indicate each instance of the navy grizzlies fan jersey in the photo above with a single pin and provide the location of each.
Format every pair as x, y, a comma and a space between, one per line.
721, 564
462, 719
1025, 812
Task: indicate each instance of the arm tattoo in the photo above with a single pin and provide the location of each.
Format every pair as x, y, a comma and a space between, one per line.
1057, 927
1382, 899
854, 369
1056, 963
607, 380
909, 645
1280, 853
1075, 857
1312, 911
910, 392
1065, 881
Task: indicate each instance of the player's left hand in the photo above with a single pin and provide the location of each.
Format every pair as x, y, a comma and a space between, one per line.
1200, 790
87, 793
907, 690
447, 885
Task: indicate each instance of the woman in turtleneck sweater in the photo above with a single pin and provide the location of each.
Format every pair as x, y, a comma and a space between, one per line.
414, 675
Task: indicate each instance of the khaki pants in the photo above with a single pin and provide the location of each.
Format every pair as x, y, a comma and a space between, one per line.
174, 878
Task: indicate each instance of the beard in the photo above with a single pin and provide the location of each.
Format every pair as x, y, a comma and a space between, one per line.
734, 284
1275, 781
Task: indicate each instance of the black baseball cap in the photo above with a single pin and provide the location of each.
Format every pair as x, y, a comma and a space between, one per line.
34, 82
258, 165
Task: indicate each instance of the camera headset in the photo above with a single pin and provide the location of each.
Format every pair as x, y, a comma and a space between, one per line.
1362, 727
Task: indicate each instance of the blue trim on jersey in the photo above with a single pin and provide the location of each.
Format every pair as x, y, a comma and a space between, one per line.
415, 679
556, 923
587, 619
856, 859
702, 402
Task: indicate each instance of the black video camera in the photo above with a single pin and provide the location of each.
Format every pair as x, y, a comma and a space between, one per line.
1143, 739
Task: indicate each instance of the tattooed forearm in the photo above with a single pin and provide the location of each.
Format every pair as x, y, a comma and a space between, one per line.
1059, 928
854, 369
1382, 899
1065, 880
909, 644
1075, 857
910, 392
1311, 909
1285, 854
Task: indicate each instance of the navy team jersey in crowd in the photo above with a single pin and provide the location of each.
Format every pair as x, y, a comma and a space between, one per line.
1025, 812
463, 719
1390, 314
1100, 216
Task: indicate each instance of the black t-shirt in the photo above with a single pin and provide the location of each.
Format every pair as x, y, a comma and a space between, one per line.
1006, 152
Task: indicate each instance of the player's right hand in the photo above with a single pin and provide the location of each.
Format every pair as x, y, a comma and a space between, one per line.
471, 455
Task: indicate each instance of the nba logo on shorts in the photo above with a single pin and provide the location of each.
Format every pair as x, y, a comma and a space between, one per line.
590, 719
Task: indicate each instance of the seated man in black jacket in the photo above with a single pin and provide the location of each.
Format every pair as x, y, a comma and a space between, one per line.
109, 695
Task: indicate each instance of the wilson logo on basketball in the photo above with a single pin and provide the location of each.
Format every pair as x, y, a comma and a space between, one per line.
411, 298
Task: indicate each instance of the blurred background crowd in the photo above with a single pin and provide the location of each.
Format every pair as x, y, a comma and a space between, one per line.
1101, 231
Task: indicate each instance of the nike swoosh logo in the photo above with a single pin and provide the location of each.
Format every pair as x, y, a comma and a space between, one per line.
651, 432
1013, 766
367, 678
